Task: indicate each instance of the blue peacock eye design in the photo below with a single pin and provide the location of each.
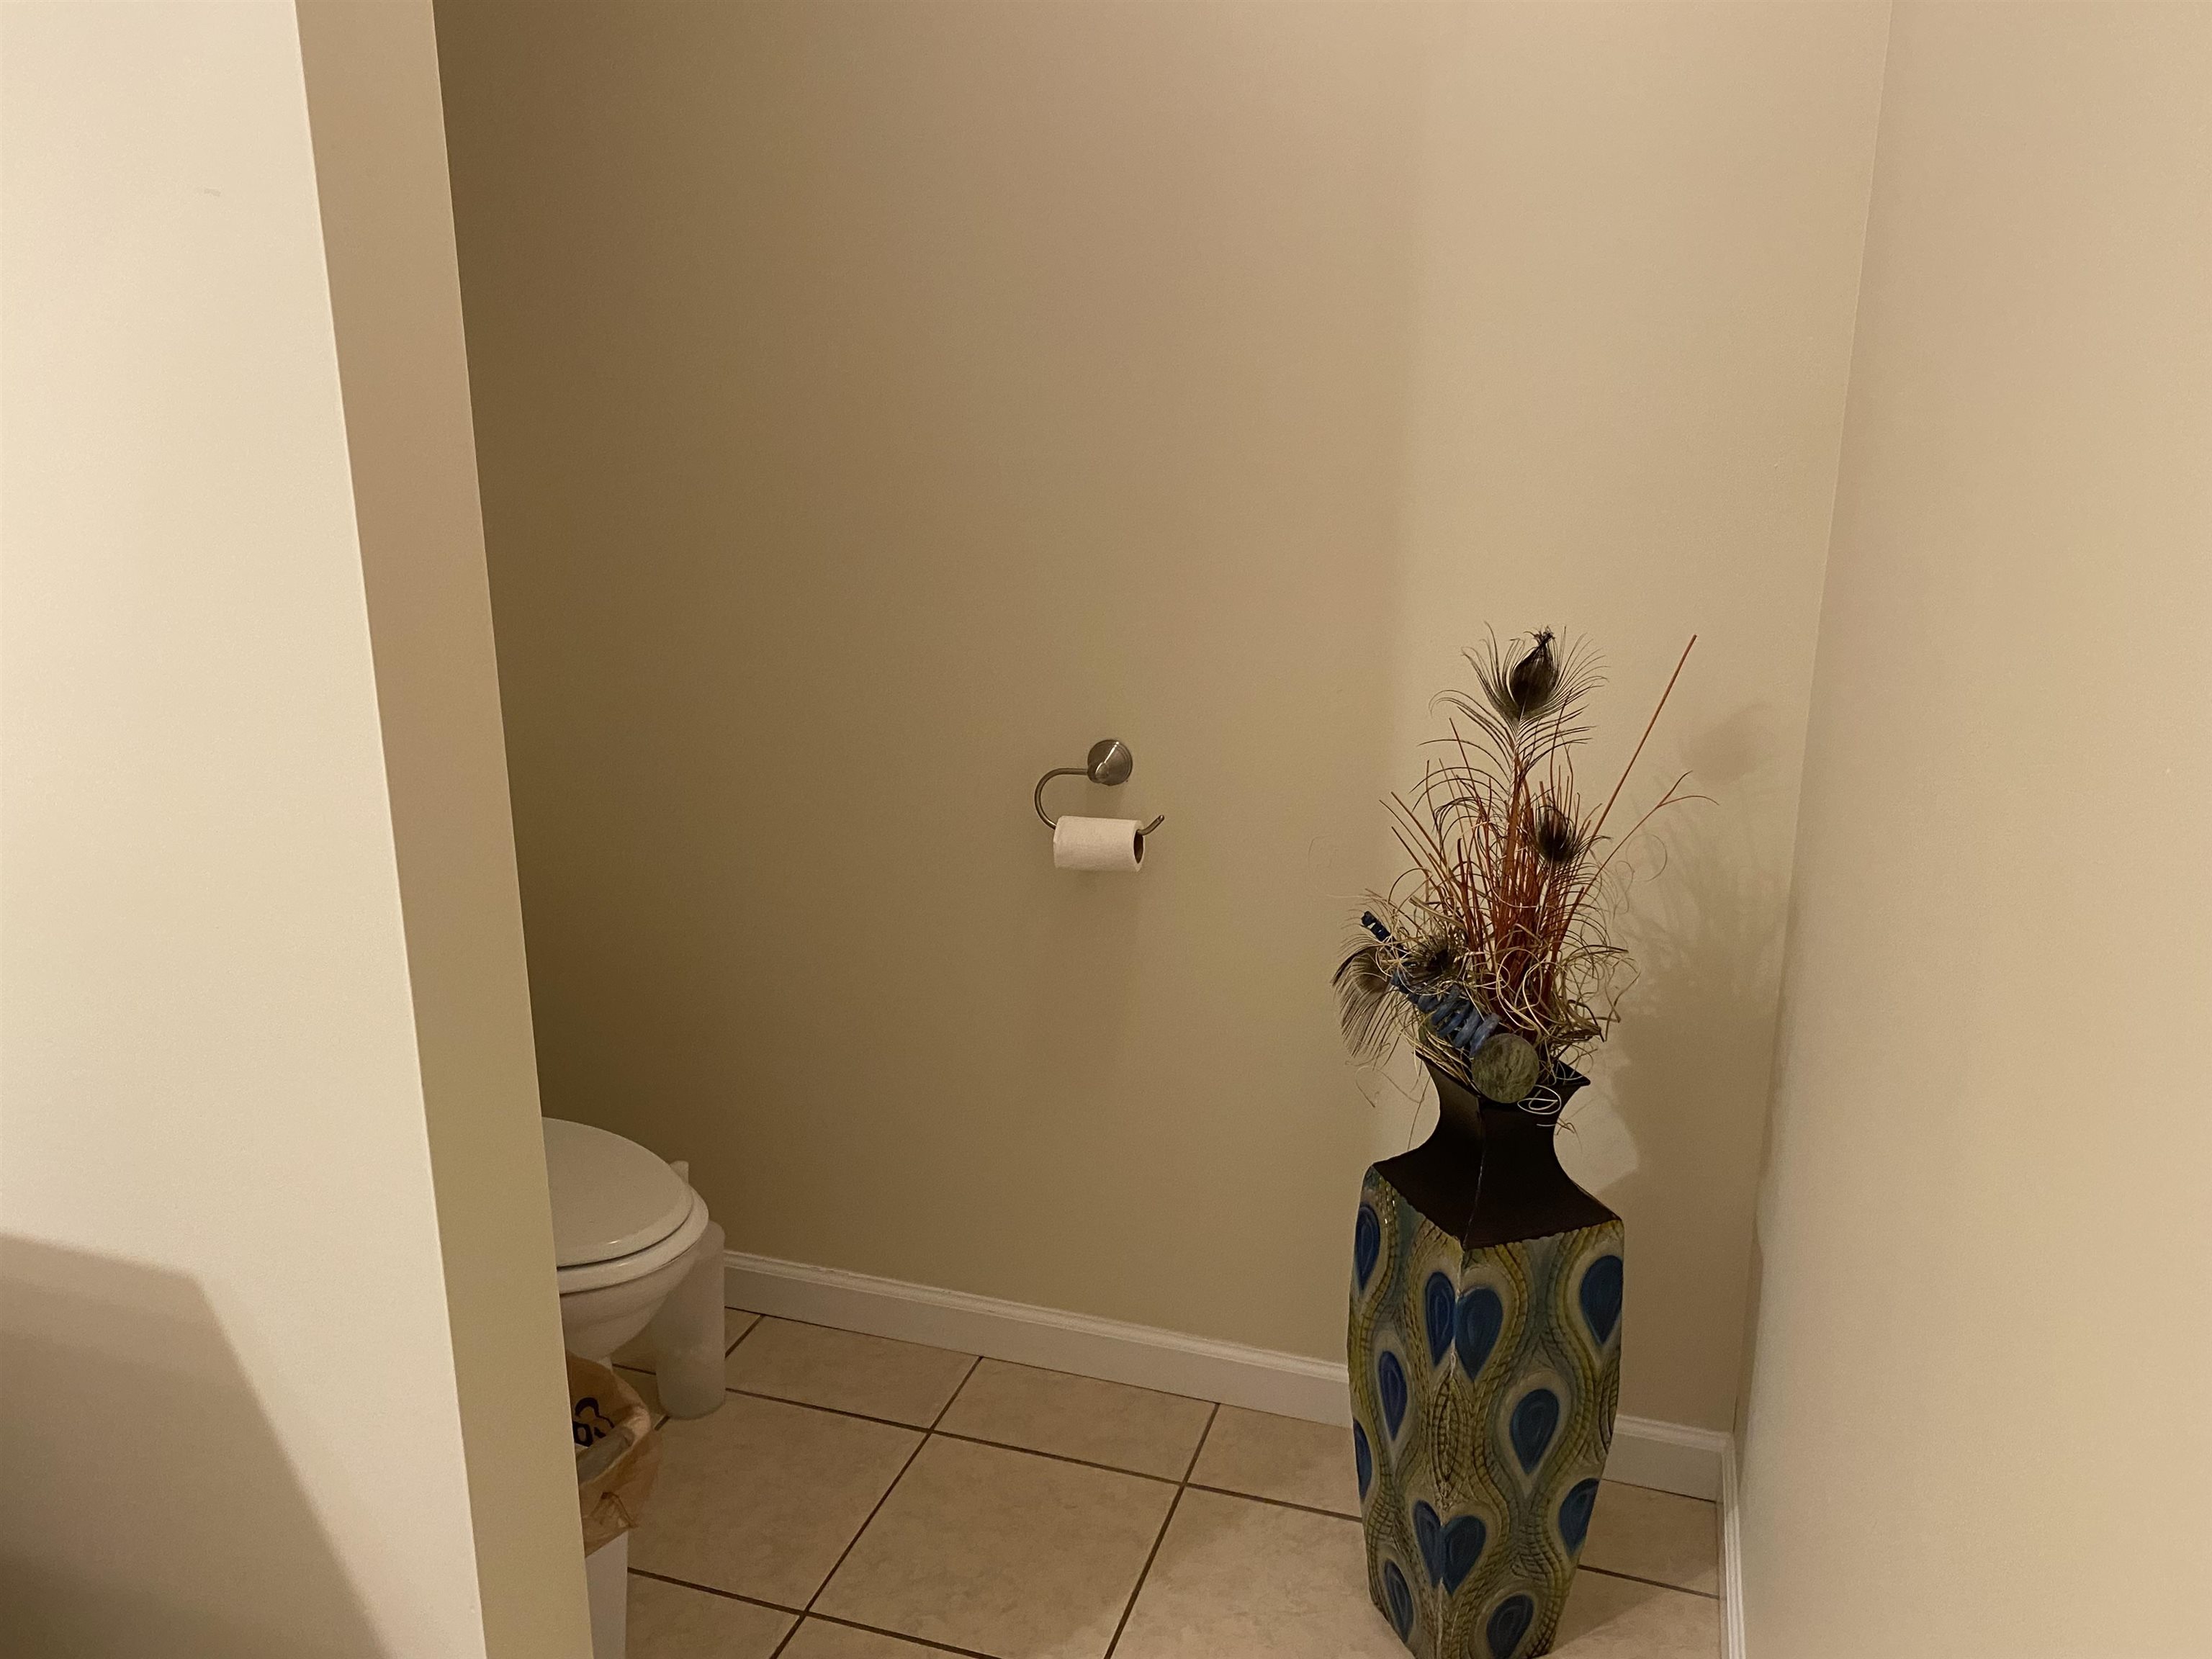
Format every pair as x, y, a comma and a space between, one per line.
1429, 1538
1400, 1594
1366, 1245
1536, 1419
1464, 1538
1390, 1385
1509, 1625
1436, 1316
1601, 1298
1475, 1328
1485, 1383
1575, 1511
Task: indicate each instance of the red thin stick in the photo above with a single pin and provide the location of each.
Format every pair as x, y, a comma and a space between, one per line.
1641, 741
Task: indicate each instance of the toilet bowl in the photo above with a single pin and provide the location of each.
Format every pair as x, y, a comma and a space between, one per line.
635, 1251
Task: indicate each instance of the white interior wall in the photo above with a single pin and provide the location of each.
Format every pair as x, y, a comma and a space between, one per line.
231, 1426
372, 79
1977, 1421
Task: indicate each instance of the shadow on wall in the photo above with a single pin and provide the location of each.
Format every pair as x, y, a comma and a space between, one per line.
1703, 925
149, 1507
1662, 1138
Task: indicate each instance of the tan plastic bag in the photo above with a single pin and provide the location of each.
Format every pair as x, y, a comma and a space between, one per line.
617, 1453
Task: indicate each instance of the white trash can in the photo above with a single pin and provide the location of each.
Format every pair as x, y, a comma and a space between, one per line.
617, 1455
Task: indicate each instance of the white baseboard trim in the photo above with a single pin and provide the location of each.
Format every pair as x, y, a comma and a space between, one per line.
1694, 1462
1288, 1384
1733, 1645
1669, 1456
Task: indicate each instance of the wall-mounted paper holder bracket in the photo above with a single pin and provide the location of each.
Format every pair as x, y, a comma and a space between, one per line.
1110, 762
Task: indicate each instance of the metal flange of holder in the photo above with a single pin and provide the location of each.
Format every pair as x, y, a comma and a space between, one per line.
1108, 762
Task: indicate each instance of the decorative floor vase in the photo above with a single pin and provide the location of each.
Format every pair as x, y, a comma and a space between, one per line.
1485, 1353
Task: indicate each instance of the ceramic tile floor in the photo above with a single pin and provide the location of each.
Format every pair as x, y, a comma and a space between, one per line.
860, 1498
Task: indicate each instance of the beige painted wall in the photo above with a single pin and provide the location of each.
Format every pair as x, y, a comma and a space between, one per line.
1637, 267
1986, 1317
876, 404
268, 1095
372, 82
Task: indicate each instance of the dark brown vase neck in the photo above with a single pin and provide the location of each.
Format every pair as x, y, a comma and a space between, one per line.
1489, 1174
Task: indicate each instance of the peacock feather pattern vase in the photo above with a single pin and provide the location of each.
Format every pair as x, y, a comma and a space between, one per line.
1485, 1356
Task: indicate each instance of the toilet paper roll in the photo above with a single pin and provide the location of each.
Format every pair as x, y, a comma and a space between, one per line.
1098, 844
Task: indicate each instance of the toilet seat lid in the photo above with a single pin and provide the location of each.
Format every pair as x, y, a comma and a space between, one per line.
610, 1196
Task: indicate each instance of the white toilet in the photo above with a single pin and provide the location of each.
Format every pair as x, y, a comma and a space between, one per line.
634, 1249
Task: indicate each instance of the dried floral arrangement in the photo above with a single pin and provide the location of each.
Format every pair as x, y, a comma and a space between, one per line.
1493, 954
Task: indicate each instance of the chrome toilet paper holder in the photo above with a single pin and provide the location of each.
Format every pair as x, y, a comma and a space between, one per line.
1110, 762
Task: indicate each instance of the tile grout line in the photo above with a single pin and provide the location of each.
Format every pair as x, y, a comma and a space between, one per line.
1638, 1578
1058, 1457
730, 1348
711, 1589
921, 1440
836, 1411
800, 1616
1061, 1457
966, 1377
1198, 1450
934, 1431
1186, 1484
1278, 1503
1145, 1571
896, 1635
955, 1434
759, 1320
861, 1532
799, 1623
1159, 1538
1141, 1474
